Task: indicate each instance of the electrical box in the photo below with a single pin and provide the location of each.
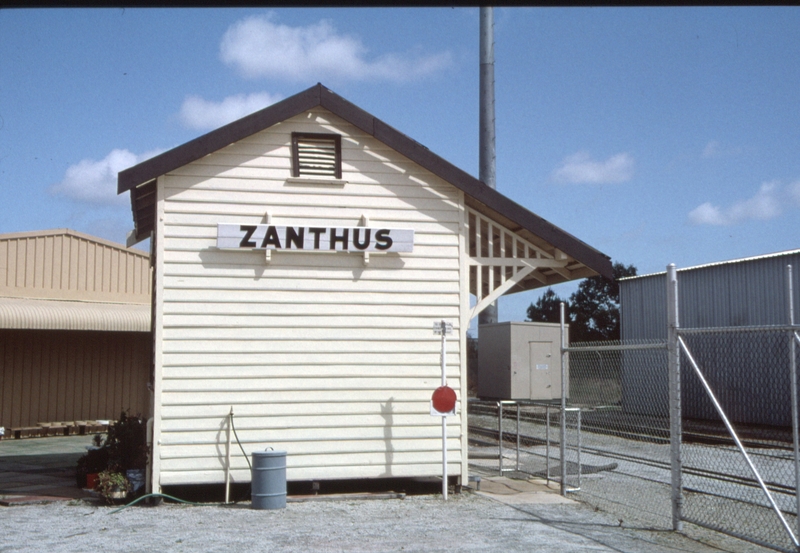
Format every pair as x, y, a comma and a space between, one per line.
520, 361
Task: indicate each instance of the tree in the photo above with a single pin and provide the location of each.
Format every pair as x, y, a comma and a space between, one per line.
592, 311
547, 308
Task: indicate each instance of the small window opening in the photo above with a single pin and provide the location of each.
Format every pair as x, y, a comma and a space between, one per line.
316, 155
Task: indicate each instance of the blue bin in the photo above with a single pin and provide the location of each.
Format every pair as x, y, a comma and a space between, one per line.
268, 483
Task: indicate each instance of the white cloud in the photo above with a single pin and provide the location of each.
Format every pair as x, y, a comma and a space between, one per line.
764, 205
711, 149
580, 168
95, 182
794, 192
715, 150
197, 113
259, 47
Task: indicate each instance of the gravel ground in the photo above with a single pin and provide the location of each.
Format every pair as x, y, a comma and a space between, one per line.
466, 522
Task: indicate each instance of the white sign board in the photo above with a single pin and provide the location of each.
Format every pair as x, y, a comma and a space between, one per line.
293, 238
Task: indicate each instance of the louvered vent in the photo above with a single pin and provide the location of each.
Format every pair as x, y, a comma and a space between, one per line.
316, 155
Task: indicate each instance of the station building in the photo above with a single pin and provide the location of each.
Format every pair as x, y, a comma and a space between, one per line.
302, 255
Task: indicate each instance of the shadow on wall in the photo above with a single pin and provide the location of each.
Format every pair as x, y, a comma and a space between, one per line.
387, 412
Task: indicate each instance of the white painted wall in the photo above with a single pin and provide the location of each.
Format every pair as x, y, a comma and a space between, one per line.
318, 355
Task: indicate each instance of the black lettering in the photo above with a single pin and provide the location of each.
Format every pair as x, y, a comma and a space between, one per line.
343, 238
248, 230
383, 240
356, 235
294, 237
271, 238
316, 231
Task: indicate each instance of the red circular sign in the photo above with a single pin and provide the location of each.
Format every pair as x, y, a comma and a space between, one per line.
444, 399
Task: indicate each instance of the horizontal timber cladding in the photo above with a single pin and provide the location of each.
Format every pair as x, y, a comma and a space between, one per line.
329, 356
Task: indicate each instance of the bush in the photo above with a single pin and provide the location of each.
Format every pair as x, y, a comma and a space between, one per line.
124, 448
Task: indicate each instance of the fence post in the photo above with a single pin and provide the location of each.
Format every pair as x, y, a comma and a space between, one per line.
793, 369
563, 444
674, 368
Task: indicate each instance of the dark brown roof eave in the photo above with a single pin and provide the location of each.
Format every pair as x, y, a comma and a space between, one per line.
217, 139
318, 95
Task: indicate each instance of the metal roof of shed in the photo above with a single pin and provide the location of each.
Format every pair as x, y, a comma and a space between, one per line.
140, 179
26, 313
719, 264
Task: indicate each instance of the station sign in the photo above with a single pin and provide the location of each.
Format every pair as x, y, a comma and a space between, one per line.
304, 238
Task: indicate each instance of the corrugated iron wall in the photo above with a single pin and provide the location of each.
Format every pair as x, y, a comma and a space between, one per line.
62, 375
745, 293
749, 371
65, 264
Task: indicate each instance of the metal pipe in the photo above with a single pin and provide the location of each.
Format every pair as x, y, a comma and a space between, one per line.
517, 437
674, 378
500, 435
444, 418
228, 459
793, 369
579, 450
547, 442
563, 437
444, 458
736, 440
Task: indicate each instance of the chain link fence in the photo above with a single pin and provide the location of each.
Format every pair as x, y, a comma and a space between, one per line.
749, 371
620, 389
617, 453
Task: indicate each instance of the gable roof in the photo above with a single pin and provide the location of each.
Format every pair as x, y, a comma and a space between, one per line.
61, 279
140, 179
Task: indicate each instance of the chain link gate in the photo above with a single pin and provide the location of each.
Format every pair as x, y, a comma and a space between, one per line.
738, 464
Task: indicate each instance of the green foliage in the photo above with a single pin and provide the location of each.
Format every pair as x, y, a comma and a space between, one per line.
124, 448
127, 443
547, 308
592, 311
95, 461
109, 482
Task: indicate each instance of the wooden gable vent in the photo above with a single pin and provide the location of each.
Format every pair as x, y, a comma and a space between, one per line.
316, 155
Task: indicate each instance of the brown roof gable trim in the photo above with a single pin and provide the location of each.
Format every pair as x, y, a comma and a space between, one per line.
318, 95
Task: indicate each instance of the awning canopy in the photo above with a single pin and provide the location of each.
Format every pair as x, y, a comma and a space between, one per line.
24, 313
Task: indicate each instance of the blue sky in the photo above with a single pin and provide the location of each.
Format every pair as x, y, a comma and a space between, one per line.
656, 135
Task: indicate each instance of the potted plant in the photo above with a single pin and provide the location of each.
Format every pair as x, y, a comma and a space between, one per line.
124, 451
112, 486
127, 446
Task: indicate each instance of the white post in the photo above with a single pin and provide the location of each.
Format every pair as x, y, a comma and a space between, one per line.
674, 379
444, 419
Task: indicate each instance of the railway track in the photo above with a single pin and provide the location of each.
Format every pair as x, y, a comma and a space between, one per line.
619, 456
613, 421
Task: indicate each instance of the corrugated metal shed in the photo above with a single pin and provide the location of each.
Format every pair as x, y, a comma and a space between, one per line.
740, 292
749, 372
75, 338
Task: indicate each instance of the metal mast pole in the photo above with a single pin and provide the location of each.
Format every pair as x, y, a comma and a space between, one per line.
487, 137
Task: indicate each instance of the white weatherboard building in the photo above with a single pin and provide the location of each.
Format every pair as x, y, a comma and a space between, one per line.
302, 256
